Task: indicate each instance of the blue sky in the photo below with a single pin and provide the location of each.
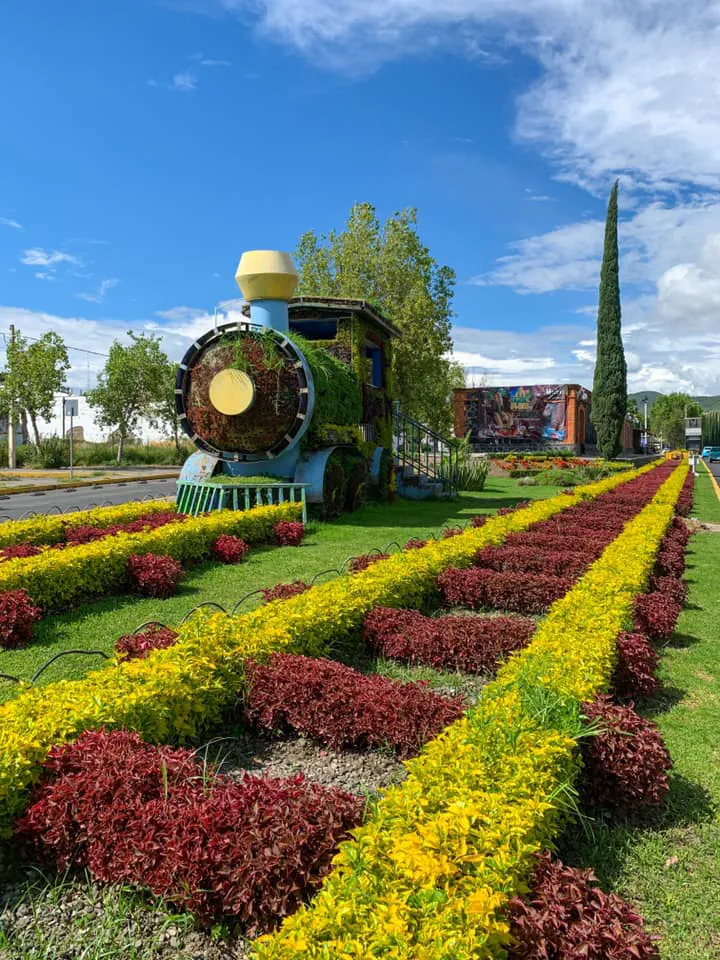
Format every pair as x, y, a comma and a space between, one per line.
147, 144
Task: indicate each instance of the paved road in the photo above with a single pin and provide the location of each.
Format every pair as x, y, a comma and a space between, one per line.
14, 506
715, 468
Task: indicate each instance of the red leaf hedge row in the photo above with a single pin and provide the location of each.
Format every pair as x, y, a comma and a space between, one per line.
468, 644
150, 521
357, 564
154, 575
283, 591
625, 765
522, 559
566, 916
136, 646
656, 615
18, 614
340, 707
149, 816
487, 589
636, 665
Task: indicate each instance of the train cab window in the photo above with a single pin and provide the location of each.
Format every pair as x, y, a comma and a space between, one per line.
375, 372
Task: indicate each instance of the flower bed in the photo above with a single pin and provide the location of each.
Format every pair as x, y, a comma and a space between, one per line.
432, 871
57, 579
183, 689
54, 528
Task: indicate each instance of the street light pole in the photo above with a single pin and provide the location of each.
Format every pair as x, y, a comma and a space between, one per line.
646, 444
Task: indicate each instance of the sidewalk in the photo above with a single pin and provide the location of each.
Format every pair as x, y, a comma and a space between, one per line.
35, 481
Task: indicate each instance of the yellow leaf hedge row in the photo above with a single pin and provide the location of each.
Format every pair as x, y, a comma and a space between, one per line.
51, 529
57, 579
180, 691
430, 873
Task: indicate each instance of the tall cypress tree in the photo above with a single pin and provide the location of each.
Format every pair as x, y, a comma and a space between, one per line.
609, 397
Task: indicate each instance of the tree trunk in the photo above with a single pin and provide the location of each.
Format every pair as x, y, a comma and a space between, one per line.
36, 432
121, 444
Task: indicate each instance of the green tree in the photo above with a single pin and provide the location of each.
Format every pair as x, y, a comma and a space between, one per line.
131, 385
164, 414
609, 397
34, 373
633, 411
390, 267
667, 417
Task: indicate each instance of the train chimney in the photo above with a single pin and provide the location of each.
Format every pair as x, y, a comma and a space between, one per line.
267, 279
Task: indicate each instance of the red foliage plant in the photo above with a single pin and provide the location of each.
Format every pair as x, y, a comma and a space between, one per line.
289, 533
521, 593
515, 558
566, 916
340, 707
154, 575
136, 646
479, 520
365, 560
590, 546
670, 560
673, 588
449, 532
469, 644
415, 544
149, 816
656, 615
636, 665
150, 521
19, 551
230, 549
283, 591
625, 765
17, 615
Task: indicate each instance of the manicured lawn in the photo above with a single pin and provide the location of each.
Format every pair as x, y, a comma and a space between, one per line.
706, 505
669, 866
96, 626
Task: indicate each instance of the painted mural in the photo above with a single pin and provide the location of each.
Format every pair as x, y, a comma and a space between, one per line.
532, 413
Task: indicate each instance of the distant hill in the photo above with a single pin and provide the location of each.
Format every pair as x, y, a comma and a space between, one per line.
707, 403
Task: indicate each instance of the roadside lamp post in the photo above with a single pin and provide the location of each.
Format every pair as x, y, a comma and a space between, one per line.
645, 435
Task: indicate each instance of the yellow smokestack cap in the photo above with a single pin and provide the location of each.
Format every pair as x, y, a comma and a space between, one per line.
266, 275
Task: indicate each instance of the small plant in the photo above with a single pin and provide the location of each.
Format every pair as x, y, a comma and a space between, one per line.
566, 916
636, 665
229, 549
365, 560
17, 615
289, 533
19, 551
136, 646
488, 589
283, 591
627, 762
415, 544
154, 575
656, 615
479, 521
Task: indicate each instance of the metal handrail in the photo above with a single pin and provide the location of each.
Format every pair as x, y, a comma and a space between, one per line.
425, 451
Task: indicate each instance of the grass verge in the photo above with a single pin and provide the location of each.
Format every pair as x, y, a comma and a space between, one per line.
96, 626
706, 503
669, 865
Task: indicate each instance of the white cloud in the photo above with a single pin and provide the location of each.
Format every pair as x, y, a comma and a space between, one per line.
184, 82
44, 275
99, 294
37, 257
13, 224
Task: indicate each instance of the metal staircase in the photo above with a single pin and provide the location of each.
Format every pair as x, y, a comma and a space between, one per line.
426, 464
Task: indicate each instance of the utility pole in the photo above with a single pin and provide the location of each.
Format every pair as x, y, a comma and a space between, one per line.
12, 462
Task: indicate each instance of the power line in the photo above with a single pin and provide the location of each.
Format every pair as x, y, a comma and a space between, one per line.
5, 334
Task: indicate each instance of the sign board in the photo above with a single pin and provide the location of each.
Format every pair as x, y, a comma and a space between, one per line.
71, 408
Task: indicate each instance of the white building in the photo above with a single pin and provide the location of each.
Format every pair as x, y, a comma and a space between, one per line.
58, 426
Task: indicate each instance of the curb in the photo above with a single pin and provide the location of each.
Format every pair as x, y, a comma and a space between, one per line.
44, 488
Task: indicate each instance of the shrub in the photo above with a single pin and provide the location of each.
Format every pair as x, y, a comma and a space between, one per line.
469, 644
673, 588
85, 533
153, 575
627, 763
19, 551
283, 591
522, 592
365, 560
135, 646
229, 549
479, 521
151, 817
415, 544
566, 916
449, 532
17, 616
656, 615
591, 546
340, 707
514, 558
289, 533
636, 665
670, 560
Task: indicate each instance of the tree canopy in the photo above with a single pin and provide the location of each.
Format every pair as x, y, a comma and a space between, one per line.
34, 373
667, 417
132, 384
390, 267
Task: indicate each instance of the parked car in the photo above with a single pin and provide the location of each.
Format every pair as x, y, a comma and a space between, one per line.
705, 452
712, 454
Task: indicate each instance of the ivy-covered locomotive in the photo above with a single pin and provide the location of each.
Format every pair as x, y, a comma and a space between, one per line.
298, 393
